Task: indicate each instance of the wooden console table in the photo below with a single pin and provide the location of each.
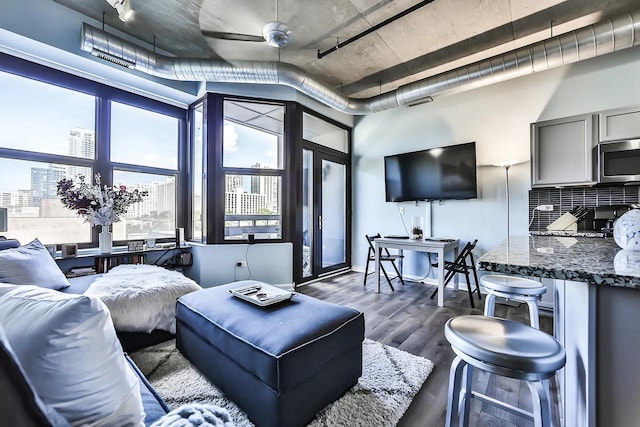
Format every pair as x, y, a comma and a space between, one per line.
440, 247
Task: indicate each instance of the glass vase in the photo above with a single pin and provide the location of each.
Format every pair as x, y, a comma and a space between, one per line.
104, 240
416, 227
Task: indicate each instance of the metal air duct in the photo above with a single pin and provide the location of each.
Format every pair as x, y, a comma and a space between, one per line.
604, 37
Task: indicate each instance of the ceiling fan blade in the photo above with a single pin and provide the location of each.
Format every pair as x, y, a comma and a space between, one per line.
232, 36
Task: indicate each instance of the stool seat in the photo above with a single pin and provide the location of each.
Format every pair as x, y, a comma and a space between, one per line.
513, 284
505, 343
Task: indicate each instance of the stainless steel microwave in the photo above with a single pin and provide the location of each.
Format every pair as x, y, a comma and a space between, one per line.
617, 162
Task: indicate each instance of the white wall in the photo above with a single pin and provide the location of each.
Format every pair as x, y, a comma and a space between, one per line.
216, 264
497, 117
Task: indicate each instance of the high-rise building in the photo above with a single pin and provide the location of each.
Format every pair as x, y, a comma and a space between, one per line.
165, 195
232, 183
240, 203
44, 182
15, 198
268, 186
147, 205
82, 143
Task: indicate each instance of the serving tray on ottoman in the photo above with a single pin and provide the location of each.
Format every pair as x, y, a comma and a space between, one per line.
282, 363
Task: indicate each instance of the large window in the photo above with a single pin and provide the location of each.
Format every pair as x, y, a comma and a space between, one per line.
253, 135
143, 137
155, 216
28, 191
252, 158
49, 132
43, 118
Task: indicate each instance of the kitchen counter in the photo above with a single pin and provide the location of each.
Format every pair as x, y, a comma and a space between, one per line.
597, 261
596, 316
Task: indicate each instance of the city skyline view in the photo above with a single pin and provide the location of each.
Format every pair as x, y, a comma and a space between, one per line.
138, 137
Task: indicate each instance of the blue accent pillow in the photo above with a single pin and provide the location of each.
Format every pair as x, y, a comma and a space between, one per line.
20, 405
31, 264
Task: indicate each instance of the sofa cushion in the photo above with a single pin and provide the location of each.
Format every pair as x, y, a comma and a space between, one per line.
31, 264
20, 404
154, 407
68, 348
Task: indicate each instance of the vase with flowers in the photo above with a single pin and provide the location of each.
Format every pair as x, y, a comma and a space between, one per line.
98, 204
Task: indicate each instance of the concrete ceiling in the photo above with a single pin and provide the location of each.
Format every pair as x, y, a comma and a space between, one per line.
441, 35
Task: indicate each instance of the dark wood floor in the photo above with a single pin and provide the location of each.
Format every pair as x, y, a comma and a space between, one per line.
409, 320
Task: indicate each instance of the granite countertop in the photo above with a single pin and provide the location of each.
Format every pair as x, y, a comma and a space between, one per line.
598, 261
584, 233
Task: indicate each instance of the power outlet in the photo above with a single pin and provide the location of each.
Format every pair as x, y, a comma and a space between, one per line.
546, 208
401, 209
241, 263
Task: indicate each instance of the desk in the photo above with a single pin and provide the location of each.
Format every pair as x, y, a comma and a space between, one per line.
430, 246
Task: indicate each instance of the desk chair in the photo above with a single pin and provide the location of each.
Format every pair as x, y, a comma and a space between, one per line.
460, 265
385, 255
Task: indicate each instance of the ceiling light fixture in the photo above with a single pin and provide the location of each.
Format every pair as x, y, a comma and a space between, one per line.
125, 13
276, 33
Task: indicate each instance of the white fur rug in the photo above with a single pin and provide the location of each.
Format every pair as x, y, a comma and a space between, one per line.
390, 380
142, 297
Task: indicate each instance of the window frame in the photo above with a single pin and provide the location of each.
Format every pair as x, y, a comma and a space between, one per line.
214, 187
101, 164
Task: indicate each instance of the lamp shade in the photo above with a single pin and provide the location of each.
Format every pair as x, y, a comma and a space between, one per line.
3, 219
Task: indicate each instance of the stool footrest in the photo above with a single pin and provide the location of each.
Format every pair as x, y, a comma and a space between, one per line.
507, 407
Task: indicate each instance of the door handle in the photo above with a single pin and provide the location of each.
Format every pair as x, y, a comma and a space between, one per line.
320, 222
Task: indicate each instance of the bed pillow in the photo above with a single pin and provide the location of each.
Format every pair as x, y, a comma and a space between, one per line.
31, 264
68, 348
142, 297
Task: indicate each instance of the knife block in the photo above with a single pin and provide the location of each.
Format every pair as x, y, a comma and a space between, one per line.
566, 222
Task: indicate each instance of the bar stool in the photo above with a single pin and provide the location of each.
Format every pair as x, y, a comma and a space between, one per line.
501, 347
513, 288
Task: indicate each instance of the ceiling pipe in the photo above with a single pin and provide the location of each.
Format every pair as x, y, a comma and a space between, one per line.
376, 27
607, 36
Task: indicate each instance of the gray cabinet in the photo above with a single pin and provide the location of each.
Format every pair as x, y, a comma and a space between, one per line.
561, 151
621, 123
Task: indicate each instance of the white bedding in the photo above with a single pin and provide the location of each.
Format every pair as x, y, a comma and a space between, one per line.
142, 297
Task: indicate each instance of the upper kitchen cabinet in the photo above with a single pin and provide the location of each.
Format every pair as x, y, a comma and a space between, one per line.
621, 123
561, 151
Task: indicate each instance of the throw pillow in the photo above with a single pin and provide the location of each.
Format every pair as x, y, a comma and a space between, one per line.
31, 264
69, 350
20, 405
141, 297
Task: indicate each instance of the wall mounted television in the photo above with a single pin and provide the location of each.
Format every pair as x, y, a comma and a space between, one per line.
440, 173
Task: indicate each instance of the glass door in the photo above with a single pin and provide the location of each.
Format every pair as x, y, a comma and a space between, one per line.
307, 214
326, 196
332, 221
324, 213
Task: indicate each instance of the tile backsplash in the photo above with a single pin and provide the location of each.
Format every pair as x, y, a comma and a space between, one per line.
565, 199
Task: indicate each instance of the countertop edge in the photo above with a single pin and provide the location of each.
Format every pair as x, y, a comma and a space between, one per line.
616, 280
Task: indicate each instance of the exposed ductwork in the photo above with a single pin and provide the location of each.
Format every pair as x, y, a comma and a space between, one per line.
604, 37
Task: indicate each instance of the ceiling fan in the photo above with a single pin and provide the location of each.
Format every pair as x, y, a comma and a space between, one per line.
275, 33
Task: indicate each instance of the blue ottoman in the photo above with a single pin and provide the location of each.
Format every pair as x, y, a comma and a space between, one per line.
281, 364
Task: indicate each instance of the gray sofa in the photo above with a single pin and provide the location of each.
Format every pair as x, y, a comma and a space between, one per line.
21, 405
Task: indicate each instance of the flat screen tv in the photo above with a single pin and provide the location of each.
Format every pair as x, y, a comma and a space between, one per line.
439, 173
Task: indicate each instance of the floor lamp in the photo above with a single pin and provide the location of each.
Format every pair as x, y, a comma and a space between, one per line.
506, 166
